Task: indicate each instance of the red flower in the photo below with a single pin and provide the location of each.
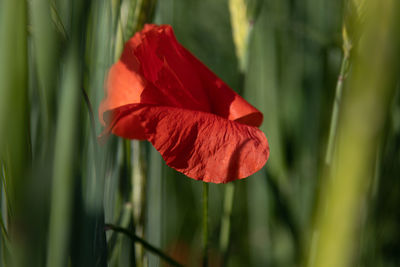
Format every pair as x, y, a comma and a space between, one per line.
158, 91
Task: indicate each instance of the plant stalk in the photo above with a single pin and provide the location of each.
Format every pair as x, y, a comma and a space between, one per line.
336, 108
205, 224
139, 183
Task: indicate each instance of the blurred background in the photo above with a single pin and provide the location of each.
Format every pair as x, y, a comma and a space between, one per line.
325, 75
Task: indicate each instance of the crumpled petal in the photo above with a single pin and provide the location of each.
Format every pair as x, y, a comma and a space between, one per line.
158, 91
201, 145
155, 69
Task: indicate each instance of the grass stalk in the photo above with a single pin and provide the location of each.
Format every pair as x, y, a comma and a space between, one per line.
205, 224
335, 111
337, 102
129, 167
139, 183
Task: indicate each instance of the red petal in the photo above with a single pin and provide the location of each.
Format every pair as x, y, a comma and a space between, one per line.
155, 69
201, 145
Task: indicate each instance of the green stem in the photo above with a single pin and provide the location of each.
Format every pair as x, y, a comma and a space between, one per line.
139, 181
129, 172
226, 220
205, 224
144, 243
336, 108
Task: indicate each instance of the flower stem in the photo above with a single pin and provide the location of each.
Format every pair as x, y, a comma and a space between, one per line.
205, 224
144, 243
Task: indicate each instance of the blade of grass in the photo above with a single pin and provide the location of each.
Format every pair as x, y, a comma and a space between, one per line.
66, 162
64, 165
14, 139
14, 118
144, 243
46, 59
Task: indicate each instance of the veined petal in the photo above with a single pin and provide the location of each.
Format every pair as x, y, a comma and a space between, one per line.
201, 145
